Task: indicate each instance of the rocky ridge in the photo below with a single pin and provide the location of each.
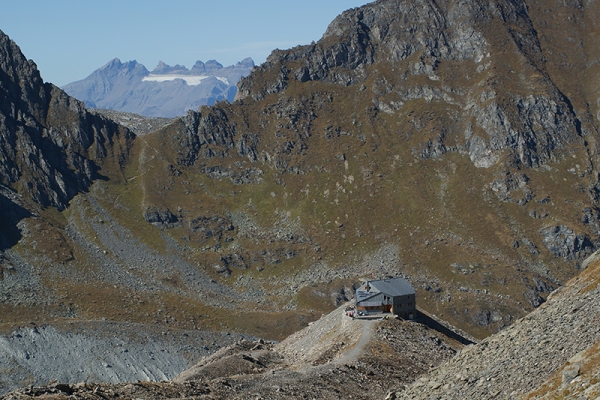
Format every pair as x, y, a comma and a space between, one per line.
428, 35
52, 147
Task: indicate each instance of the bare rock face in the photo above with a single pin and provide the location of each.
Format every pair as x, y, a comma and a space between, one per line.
208, 134
51, 147
530, 126
160, 217
563, 242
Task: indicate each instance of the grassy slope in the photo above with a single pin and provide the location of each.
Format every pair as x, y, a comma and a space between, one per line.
362, 186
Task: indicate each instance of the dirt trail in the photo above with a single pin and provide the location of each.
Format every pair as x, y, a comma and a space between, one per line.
333, 338
365, 337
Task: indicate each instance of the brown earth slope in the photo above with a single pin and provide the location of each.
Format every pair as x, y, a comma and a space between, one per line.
550, 353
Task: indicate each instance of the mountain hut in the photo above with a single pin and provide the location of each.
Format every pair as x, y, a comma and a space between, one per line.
394, 295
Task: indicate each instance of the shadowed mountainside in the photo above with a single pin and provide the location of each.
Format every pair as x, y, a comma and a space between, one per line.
51, 147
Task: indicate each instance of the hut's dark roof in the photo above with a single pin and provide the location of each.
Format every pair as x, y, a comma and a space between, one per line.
392, 287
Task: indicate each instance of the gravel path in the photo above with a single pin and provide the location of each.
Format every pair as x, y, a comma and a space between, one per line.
366, 335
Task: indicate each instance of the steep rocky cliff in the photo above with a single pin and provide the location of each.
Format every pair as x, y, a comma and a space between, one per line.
51, 147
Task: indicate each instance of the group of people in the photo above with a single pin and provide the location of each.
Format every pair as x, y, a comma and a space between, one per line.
350, 312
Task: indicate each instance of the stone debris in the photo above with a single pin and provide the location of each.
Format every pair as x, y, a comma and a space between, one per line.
523, 356
335, 357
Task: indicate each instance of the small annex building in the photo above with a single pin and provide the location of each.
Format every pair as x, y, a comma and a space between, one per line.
394, 295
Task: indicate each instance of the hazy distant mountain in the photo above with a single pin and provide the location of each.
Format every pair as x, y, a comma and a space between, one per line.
167, 91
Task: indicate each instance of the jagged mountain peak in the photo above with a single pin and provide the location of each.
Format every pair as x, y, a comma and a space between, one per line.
24, 84
115, 66
14, 62
430, 31
213, 65
163, 68
114, 63
248, 62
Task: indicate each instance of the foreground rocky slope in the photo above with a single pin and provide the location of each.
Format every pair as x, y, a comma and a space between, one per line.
335, 357
550, 353
560, 335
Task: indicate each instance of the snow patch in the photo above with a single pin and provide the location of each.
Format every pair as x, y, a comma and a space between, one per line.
189, 79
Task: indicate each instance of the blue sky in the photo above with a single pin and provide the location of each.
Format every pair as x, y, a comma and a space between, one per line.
68, 40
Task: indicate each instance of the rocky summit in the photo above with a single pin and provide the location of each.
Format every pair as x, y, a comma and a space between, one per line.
453, 144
